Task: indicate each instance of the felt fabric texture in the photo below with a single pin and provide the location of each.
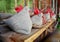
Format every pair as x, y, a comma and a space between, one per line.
37, 19
21, 22
47, 15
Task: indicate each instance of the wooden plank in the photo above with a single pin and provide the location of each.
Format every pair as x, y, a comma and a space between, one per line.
35, 33
15, 37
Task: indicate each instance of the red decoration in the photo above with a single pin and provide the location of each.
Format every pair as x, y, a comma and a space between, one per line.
19, 8
51, 14
36, 11
48, 10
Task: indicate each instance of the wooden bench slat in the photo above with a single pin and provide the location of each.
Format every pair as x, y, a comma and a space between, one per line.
35, 33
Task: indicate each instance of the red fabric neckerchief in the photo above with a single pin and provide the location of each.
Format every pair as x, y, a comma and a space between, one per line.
36, 11
19, 8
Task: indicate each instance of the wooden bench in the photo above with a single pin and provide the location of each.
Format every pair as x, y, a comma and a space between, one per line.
26, 38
